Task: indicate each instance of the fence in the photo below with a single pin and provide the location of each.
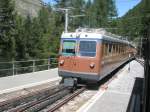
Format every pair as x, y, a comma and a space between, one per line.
20, 67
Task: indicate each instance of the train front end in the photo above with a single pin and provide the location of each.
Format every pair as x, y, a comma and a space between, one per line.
79, 57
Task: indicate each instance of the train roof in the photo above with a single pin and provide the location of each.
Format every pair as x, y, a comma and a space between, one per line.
94, 34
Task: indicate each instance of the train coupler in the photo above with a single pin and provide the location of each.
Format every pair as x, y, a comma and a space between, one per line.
70, 82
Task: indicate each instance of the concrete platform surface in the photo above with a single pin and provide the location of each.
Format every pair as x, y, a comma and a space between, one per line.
116, 98
12, 83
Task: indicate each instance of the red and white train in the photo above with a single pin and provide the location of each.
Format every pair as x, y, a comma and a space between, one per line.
91, 54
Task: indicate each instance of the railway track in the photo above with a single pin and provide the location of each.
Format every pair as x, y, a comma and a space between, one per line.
103, 85
65, 100
41, 100
23, 102
37, 105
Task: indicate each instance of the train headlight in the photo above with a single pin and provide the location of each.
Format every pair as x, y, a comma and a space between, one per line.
92, 65
61, 62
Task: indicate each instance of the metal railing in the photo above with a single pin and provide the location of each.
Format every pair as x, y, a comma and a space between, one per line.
26, 66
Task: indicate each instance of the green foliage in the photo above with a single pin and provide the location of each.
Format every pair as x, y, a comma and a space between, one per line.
7, 29
146, 18
99, 12
27, 38
145, 32
135, 24
35, 35
130, 24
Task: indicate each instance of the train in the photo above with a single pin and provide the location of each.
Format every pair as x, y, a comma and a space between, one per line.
91, 54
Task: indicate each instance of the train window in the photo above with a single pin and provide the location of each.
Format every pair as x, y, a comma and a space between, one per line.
103, 50
68, 48
120, 49
123, 48
87, 48
117, 49
114, 49
106, 49
110, 48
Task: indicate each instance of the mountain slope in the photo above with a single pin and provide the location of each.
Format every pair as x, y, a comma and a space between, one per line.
28, 7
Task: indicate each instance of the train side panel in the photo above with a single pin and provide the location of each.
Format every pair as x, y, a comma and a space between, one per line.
111, 59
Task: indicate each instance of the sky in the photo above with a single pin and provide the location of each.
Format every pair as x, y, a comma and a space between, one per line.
123, 6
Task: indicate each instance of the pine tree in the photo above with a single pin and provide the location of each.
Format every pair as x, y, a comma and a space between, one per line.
112, 11
78, 9
20, 38
7, 29
146, 31
99, 12
130, 24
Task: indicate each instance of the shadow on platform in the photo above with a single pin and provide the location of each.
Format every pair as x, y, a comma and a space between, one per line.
135, 104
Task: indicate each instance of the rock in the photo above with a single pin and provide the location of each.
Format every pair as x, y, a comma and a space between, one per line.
28, 7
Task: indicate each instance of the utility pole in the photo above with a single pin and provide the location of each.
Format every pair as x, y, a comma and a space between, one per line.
66, 20
141, 46
66, 10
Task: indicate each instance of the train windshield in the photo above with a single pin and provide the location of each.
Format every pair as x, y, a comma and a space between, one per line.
87, 48
68, 48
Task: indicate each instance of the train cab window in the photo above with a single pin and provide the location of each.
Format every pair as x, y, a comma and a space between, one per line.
87, 48
68, 48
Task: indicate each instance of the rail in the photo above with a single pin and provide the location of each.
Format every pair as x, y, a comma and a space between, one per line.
26, 66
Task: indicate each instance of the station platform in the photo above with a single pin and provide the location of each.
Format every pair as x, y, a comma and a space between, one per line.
17, 82
117, 96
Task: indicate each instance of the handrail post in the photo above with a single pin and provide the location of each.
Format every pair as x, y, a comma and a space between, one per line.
13, 67
33, 66
49, 63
